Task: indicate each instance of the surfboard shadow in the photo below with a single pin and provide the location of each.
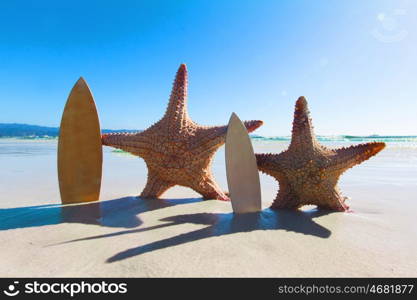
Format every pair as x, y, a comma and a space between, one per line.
229, 223
122, 212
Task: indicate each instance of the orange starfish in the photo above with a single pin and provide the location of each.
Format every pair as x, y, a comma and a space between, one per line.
177, 151
308, 172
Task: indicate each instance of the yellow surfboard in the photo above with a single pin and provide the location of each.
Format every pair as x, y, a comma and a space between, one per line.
80, 155
241, 169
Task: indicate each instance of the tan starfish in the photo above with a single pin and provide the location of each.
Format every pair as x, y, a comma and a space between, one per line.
308, 172
177, 151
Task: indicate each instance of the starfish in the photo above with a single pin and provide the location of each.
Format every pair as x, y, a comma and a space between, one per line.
308, 172
176, 150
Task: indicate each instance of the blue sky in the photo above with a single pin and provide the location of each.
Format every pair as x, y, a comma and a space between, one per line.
355, 61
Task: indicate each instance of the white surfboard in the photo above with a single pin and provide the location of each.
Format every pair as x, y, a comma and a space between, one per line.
241, 169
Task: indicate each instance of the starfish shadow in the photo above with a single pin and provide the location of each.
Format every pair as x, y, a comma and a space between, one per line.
225, 224
119, 213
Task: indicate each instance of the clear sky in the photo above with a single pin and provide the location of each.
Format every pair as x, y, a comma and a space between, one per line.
355, 61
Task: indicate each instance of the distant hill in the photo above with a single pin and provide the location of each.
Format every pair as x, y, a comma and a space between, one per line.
26, 130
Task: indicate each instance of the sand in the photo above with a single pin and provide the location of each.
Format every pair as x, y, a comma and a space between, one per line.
184, 236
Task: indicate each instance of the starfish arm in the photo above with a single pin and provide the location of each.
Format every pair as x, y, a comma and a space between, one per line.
303, 136
330, 199
209, 189
176, 114
135, 143
252, 125
211, 138
346, 158
335, 201
285, 198
155, 187
202, 182
268, 164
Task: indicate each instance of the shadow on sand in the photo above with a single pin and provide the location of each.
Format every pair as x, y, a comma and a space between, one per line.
229, 223
120, 213
123, 213
219, 224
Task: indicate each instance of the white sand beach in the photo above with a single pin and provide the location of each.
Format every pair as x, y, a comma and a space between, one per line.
184, 236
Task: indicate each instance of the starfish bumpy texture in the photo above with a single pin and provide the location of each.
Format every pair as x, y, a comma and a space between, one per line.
308, 172
177, 151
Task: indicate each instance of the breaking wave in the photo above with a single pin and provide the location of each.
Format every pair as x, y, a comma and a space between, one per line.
346, 138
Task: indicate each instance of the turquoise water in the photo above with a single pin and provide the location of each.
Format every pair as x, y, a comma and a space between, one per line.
347, 138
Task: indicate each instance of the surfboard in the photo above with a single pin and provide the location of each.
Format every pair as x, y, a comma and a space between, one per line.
80, 153
241, 169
